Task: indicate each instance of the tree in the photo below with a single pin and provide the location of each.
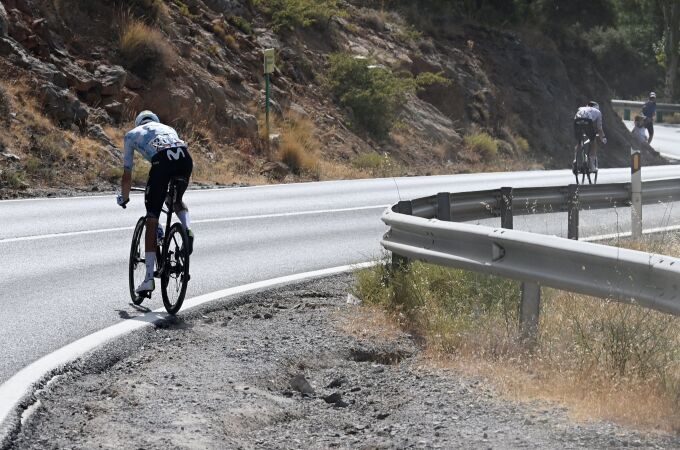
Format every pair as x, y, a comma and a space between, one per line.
671, 18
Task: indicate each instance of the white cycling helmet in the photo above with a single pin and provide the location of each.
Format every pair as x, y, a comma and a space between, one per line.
594, 104
144, 117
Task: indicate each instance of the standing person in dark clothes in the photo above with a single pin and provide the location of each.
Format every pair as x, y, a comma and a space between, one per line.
649, 111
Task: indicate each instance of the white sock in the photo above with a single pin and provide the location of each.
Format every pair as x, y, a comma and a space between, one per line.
150, 259
184, 218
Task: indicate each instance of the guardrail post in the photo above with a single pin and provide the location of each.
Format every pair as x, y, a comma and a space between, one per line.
401, 262
506, 207
659, 116
529, 310
530, 303
573, 211
635, 194
626, 114
444, 206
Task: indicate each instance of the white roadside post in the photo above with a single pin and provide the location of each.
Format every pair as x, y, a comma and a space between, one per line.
636, 193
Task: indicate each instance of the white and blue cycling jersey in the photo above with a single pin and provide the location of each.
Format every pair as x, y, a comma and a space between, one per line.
149, 139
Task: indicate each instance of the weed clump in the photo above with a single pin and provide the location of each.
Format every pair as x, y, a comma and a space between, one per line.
482, 144
377, 165
144, 50
455, 310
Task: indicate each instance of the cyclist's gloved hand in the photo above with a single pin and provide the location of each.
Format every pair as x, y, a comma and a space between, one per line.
121, 201
604, 140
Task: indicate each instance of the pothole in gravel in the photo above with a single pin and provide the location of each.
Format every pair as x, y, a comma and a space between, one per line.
384, 356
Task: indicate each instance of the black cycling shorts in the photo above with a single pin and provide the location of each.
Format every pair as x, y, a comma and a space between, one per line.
168, 164
584, 126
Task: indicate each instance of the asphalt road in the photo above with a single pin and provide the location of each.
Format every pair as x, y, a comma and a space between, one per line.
65, 260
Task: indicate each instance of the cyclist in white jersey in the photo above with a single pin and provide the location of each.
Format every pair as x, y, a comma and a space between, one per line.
169, 157
588, 120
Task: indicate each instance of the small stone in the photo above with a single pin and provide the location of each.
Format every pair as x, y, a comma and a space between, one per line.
257, 316
353, 300
528, 422
382, 416
333, 398
268, 316
341, 404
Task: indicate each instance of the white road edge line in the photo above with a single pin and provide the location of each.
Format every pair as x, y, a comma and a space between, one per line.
219, 219
604, 237
16, 388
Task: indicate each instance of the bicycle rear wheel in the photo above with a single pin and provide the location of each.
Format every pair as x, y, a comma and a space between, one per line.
175, 275
137, 264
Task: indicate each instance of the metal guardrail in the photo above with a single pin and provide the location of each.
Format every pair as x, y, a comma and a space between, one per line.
624, 275
598, 270
628, 105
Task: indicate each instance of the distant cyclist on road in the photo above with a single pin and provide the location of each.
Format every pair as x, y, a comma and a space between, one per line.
588, 121
169, 157
649, 111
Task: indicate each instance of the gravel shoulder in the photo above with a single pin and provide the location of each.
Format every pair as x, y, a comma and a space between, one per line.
279, 369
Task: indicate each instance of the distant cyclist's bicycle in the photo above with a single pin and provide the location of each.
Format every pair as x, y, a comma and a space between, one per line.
172, 257
582, 165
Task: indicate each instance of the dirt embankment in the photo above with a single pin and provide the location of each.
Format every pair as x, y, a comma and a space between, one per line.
292, 368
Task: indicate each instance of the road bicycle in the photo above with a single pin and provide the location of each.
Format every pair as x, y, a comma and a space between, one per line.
581, 164
172, 257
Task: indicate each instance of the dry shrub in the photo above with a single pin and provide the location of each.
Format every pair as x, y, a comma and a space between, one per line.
298, 145
144, 50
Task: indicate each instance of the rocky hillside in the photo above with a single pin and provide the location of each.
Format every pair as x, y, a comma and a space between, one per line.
357, 92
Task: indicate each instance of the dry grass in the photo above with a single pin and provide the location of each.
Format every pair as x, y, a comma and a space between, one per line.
368, 322
602, 359
5, 107
144, 50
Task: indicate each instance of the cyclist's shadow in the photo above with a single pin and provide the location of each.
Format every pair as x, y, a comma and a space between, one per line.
158, 319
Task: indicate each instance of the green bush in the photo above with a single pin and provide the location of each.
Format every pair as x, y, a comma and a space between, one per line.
482, 144
299, 13
373, 93
241, 23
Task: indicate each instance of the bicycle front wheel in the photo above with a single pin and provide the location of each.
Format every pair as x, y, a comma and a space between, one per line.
175, 275
137, 265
